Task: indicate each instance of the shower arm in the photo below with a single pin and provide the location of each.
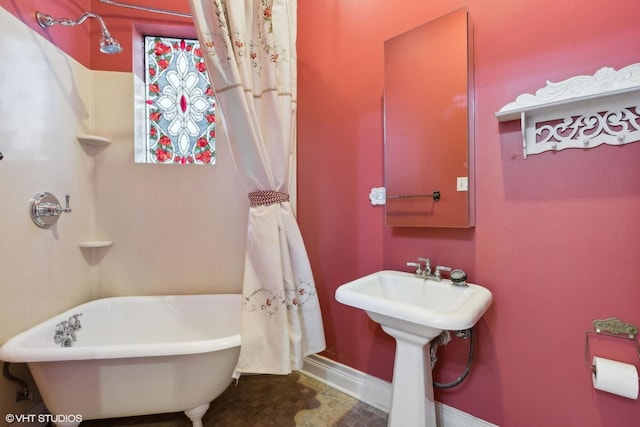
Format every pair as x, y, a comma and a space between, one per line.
46, 21
107, 43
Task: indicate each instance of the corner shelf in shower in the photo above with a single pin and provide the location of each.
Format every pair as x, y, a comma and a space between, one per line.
96, 243
93, 140
580, 112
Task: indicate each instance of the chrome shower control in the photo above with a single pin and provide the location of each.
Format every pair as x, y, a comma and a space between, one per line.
45, 209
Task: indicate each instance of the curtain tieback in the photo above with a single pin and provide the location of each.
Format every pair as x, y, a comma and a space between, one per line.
267, 197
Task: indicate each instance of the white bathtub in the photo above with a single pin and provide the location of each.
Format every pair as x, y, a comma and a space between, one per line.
134, 356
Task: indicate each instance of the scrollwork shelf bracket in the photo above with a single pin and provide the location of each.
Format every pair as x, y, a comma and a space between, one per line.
580, 112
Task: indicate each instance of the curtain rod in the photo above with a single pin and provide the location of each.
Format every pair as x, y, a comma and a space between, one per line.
147, 9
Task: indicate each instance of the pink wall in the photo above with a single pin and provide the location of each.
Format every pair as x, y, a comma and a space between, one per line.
557, 234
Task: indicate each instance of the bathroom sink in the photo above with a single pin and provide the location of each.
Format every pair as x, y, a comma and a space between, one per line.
413, 310
416, 304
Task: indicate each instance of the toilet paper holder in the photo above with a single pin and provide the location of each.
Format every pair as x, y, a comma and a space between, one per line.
612, 327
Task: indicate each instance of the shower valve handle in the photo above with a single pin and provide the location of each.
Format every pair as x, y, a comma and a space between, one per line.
66, 209
54, 208
45, 209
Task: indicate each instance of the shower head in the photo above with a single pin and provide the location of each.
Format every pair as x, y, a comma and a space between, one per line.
107, 43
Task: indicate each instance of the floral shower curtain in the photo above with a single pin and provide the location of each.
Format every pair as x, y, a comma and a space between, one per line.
249, 48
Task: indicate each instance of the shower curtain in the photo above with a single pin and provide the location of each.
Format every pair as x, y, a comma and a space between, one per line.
249, 49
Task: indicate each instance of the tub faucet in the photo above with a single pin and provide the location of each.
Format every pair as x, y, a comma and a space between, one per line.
65, 332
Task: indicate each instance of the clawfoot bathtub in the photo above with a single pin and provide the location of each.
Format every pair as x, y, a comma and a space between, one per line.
133, 356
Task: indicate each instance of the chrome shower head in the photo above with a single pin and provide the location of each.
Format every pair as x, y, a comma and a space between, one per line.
107, 43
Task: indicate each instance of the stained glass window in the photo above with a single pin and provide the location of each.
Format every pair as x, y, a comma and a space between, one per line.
180, 106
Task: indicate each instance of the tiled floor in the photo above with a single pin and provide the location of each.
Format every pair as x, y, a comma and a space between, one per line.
266, 400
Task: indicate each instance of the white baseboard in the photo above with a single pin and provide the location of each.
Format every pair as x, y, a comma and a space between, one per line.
366, 388
376, 392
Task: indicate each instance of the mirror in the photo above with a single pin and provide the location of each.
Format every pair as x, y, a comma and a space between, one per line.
428, 121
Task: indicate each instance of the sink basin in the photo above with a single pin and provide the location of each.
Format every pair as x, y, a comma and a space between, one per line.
414, 310
416, 304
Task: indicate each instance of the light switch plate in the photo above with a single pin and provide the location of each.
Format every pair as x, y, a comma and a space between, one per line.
462, 183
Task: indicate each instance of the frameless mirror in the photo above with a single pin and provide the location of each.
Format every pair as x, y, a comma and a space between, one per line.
428, 120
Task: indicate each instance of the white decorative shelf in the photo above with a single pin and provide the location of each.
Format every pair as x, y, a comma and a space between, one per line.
93, 140
580, 112
96, 243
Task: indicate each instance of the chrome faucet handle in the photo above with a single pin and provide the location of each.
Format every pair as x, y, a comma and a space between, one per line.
74, 322
61, 326
427, 265
440, 268
417, 265
66, 209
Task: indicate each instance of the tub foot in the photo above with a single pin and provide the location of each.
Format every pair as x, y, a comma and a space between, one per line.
196, 414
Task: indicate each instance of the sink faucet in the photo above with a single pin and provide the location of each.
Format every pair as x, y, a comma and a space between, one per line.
427, 266
426, 271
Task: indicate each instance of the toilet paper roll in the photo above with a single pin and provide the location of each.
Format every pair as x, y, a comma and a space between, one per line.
615, 377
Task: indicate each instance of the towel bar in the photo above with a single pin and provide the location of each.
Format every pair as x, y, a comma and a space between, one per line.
435, 195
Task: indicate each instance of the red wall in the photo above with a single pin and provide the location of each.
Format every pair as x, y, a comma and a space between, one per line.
557, 235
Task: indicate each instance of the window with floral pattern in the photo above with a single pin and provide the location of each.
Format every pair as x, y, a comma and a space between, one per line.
179, 103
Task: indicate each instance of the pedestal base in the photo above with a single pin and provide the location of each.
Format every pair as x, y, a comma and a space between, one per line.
412, 402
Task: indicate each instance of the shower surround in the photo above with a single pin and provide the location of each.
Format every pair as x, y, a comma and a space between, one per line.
175, 228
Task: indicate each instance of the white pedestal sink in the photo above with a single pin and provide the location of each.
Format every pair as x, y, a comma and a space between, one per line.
414, 310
